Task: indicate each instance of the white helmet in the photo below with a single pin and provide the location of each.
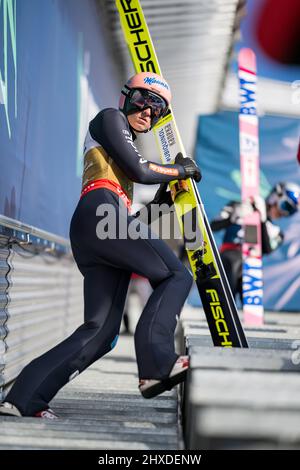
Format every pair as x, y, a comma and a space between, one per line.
286, 196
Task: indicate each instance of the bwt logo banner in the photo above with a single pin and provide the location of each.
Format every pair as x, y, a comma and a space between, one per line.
8, 61
247, 94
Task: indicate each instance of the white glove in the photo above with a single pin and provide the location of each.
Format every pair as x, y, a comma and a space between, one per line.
275, 238
240, 211
259, 204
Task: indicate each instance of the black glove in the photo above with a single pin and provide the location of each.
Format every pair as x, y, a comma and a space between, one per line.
190, 168
162, 196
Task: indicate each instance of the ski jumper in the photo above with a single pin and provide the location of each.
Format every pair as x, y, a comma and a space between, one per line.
111, 165
230, 220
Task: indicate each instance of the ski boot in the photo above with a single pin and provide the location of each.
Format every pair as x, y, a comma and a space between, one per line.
150, 388
8, 409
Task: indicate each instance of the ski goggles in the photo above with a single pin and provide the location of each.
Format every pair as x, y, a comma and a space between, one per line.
286, 207
289, 203
139, 99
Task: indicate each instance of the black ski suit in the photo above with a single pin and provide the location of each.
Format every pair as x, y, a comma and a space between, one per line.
107, 265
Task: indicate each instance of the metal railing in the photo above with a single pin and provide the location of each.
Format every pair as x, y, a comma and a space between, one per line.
41, 299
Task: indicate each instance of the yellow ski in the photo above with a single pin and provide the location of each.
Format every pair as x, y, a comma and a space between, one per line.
218, 304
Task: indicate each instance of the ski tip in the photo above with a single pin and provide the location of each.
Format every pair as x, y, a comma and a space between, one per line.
247, 59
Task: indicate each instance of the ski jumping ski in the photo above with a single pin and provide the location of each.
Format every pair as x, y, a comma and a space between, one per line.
218, 304
249, 155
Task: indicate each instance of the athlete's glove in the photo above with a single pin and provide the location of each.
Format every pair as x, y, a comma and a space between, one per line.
239, 211
190, 168
162, 196
259, 204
